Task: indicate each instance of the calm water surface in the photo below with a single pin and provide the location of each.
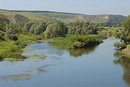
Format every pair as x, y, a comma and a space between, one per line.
51, 67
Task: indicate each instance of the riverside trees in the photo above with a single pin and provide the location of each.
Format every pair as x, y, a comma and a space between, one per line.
124, 34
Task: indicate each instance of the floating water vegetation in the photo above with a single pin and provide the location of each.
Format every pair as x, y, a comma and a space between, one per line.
15, 77
36, 56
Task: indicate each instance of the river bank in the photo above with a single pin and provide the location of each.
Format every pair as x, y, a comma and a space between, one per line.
75, 41
62, 68
125, 53
13, 49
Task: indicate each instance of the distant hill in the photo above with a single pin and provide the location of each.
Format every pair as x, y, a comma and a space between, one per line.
10, 15
63, 16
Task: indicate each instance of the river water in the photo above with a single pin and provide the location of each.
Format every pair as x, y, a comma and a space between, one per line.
51, 67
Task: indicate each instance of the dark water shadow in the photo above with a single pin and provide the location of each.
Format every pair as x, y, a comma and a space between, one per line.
77, 52
125, 63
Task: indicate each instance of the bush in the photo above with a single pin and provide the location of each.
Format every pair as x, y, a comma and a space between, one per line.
10, 35
77, 41
56, 29
84, 40
20, 43
82, 28
20, 19
10, 52
120, 46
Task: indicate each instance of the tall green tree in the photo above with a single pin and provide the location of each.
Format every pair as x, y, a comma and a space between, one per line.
39, 29
82, 28
56, 29
124, 34
10, 35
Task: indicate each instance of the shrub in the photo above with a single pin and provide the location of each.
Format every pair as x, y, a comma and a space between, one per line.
56, 29
10, 35
120, 46
77, 41
20, 43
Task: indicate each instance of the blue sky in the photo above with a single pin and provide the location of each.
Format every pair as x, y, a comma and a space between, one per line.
76, 6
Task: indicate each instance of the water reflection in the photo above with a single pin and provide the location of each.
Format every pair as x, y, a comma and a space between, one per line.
125, 63
81, 51
1, 60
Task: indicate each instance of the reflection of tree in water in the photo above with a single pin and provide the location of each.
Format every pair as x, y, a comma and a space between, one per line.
81, 51
1, 59
59, 52
125, 63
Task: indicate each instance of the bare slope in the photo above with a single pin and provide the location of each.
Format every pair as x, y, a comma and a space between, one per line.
65, 17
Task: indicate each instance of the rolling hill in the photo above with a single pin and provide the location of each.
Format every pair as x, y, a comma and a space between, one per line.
65, 17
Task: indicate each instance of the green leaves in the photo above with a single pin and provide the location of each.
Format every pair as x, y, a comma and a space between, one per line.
56, 29
119, 45
82, 28
124, 34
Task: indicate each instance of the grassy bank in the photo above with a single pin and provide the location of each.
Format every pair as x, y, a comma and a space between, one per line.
109, 31
76, 41
13, 49
125, 53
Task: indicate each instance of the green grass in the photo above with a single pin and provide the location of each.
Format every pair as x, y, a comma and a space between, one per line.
75, 41
13, 49
107, 32
128, 46
9, 50
122, 55
29, 38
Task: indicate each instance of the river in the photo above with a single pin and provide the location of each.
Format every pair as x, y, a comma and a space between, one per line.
51, 67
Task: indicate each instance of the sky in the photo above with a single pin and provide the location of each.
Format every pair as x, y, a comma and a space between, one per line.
89, 7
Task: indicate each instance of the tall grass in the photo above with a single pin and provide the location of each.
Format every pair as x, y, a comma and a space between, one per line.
9, 50
76, 41
13, 49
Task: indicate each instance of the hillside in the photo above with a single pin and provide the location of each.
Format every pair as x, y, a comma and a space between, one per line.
70, 17
13, 16
65, 17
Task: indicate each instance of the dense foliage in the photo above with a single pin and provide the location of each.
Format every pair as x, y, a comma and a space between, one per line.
24, 31
10, 35
76, 41
56, 29
82, 28
21, 20
120, 46
124, 34
34, 28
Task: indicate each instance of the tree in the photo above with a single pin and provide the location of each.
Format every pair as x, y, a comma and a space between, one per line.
56, 29
20, 19
124, 34
32, 28
39, 29
10, 35
82, 28
27, 27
